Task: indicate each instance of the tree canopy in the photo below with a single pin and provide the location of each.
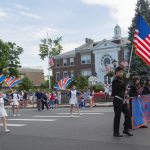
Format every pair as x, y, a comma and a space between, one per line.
54, 49
138, 66
9, 57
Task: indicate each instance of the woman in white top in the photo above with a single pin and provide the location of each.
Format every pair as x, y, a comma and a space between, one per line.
59, 96
73, 93
15, 104
3, 113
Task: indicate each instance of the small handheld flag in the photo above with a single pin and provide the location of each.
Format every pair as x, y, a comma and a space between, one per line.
63, 83
2, 77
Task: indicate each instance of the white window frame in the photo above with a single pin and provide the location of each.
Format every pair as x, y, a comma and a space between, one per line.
86, 74
71, 61
64, 74
72, 74
58, 63
86, 59
64, 62
57, 79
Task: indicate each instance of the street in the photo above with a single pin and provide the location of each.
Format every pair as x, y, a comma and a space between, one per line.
55, 130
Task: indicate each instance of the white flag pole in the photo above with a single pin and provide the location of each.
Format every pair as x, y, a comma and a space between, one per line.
48, 51
130, 59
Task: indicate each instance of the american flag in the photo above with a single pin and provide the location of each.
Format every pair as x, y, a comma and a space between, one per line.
51, 61
142, 40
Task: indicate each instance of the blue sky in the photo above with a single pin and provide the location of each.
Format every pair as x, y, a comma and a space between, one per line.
25, 22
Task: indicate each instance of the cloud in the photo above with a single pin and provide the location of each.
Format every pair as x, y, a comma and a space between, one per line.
70, 46
42, 32
21, 7
3, 13
122, 12
30, 15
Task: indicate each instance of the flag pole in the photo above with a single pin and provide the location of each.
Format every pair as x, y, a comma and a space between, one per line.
130, 59
48, 51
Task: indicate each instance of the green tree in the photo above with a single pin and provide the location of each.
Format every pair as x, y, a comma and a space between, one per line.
55, 46
9, 58
26, 84
82, 82
138, 66
45, 84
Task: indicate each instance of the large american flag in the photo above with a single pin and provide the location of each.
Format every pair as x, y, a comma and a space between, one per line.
142, 40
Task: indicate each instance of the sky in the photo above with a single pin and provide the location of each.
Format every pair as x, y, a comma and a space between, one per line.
26, 22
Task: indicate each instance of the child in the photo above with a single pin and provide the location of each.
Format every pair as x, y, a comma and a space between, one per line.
3, 113
52, 100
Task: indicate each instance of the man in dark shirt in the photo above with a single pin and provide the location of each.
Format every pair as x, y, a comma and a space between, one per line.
39, 96
118, 92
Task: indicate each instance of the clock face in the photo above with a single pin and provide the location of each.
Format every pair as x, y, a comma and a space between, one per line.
106, 59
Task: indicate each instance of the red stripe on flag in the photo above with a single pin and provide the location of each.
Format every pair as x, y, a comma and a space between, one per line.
141, 55
145, 52
143, 43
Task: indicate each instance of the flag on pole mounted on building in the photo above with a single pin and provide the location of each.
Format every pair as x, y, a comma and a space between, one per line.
2, 77
142, 40
63, 83
51, 61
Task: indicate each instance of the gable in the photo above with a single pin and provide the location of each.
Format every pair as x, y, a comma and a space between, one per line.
105, 44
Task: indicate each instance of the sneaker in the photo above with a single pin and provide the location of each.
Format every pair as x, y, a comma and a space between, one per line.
14, 115
7, 131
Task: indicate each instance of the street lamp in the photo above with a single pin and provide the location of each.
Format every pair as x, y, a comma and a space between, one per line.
114, 62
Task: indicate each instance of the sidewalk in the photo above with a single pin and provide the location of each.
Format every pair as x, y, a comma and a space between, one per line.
100, 104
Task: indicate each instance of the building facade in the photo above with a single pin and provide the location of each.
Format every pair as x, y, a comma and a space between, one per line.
36, 75
92, 57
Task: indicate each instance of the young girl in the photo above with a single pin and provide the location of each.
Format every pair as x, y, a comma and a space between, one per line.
15, 104
73, 93
3, 113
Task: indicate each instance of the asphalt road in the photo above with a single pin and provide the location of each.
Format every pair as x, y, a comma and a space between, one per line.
56, 130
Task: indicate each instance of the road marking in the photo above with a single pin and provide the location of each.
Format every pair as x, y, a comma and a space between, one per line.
54, 116
96, 111
33, 119
14, 125
90, 113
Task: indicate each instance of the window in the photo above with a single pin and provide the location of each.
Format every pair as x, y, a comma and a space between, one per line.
65, 74
57, 63
71, 61
64, 62
72, 74
86, 72
127, 55
57, 76
86, 59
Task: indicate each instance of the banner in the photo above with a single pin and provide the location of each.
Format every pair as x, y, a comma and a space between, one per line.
140, 111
